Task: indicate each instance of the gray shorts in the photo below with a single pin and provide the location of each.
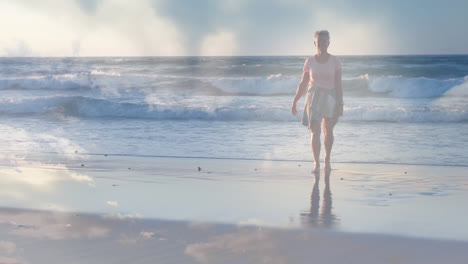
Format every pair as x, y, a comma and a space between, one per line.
319, 103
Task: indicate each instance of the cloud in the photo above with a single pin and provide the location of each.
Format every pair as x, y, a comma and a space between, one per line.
185, 27
120, 216
147, 235
244, 246
22, 175
87, 28
43, 33
53, 226
359, 36
254, 222
82, 179
41, 176
90, 6
5, 260
133, 240
112, 203
222, 43
125, 239
29, 143
19, 49
129, 28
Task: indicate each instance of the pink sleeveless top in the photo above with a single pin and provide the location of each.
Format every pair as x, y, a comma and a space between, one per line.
322, 75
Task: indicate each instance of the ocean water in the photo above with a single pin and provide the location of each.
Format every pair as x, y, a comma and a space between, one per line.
398, 109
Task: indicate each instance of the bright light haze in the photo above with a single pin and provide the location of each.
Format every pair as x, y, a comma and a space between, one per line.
230, 27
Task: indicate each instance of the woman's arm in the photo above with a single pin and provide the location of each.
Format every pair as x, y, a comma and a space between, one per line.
300, 91
339, 91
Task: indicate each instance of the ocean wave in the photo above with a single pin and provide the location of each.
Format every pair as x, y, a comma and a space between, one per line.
86, 107
405, 114
361, 86
402, 87
422, 87
88, 80
80, 106
52, 82
273, 84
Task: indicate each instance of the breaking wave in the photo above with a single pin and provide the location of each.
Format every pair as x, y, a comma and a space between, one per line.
86, 107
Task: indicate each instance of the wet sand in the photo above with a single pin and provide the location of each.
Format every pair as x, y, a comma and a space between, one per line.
127, 209
47, 237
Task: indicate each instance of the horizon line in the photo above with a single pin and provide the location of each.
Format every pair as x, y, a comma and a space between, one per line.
215, 56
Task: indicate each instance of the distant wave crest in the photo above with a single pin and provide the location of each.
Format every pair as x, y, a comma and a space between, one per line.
272, 85
79, 106
403, 87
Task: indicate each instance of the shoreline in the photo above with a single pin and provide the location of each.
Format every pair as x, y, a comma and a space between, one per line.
363, 198
101, 209
125, 155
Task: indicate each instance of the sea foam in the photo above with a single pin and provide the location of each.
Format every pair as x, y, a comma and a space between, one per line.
86, 107
271, 85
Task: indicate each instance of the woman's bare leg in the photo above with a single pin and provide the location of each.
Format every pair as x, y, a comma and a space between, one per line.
328, 125
315, 144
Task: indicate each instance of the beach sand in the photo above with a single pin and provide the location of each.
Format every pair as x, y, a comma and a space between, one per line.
134, 209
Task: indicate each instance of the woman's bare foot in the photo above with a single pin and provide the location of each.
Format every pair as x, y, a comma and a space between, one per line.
327, 167
316, 168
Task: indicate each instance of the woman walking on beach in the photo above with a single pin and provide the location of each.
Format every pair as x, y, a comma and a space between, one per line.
324, 99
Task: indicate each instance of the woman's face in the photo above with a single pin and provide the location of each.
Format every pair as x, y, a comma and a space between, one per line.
322, 42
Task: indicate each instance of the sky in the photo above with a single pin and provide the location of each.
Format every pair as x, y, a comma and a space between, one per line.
230, 27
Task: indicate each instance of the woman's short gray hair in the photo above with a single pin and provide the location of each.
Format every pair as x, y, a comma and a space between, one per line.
323, 33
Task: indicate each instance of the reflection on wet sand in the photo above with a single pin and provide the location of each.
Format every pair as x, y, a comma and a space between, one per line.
28, 236
37, 185
315, 217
